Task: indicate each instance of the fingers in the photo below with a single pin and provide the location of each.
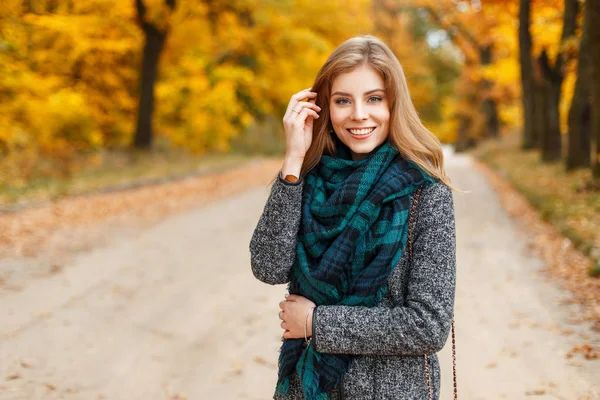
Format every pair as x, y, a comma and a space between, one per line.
301, 106
305, 114
292, 297
296, 120
304, 94
289, 297
304, 104
286, 305
312, 110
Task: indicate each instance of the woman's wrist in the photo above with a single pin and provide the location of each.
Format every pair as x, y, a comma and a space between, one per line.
308, 324
292, 166
311, 319
313, 333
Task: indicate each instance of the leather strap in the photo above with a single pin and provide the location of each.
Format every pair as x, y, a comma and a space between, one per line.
291, 178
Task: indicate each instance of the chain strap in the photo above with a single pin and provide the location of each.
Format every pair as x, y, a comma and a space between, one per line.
411, 223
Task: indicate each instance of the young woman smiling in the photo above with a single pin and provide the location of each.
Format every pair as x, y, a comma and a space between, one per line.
369, 302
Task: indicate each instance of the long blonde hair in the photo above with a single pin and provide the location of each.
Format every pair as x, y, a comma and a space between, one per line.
407, 133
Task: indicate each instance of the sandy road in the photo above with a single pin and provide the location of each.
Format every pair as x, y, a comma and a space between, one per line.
173, 312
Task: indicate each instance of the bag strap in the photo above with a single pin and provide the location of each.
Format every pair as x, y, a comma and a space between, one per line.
411, 223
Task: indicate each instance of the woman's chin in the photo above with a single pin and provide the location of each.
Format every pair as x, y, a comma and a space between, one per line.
360, 153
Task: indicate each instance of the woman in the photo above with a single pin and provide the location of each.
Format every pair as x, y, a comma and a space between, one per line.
361, 313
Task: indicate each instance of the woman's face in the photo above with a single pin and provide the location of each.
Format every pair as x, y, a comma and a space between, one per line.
359, 110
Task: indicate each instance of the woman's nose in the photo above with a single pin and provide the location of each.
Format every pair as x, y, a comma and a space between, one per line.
359, 113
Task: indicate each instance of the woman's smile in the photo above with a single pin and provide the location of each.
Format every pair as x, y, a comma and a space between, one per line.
359, 110
360, 131
361, 134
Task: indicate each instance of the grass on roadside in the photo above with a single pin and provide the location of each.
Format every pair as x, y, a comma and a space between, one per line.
555, 193
114, 170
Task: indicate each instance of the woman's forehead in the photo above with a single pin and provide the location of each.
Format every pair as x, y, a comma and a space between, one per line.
358, 81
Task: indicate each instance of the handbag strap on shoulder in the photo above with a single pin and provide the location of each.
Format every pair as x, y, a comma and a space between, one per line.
411, 222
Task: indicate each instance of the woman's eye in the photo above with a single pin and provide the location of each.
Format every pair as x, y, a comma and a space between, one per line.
372, 99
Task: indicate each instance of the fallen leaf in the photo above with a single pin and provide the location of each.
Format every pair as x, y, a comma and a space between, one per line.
14, 376
535, 392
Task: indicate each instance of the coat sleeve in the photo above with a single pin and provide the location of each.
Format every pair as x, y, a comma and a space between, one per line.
419, 326
273, 243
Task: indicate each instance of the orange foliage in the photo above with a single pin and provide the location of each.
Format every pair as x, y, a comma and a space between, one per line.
69, 71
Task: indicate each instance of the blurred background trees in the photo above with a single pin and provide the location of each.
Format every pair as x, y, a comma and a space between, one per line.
78, 78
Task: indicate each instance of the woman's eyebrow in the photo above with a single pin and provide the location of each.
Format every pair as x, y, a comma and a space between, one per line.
349, 95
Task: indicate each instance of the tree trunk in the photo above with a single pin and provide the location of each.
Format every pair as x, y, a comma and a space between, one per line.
154, 43
593, 7
553, 149
579, 150
152, 48
463, 141
530, 138
550, 83
539, 116
552, 77
489, 106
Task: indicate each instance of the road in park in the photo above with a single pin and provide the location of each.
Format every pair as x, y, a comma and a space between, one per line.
173, 312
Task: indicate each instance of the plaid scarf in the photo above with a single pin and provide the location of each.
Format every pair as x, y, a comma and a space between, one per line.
354, 227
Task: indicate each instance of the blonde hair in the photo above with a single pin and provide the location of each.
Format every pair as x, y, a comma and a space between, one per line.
407, 133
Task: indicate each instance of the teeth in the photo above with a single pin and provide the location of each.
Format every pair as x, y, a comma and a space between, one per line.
361, 131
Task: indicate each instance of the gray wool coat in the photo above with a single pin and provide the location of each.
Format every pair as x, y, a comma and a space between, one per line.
413, 318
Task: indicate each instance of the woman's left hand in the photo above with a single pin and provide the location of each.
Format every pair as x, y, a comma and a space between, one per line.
293, 315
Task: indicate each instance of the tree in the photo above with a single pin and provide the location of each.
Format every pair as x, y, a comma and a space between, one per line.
593, 8
530, 133
70, 79
579, 138
67, 81
155, 36
470, 30
550, 83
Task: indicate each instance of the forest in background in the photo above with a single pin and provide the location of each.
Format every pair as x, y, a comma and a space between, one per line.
80, 79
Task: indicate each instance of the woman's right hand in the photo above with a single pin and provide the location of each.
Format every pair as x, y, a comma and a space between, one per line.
298, 123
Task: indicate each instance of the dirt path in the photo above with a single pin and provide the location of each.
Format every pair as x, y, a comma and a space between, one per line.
514, 327
173, 312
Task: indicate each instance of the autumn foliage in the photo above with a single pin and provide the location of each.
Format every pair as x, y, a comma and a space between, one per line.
69, 71
71, 75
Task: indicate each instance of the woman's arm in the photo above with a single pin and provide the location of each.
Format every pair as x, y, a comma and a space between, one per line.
273, 243
422, 325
